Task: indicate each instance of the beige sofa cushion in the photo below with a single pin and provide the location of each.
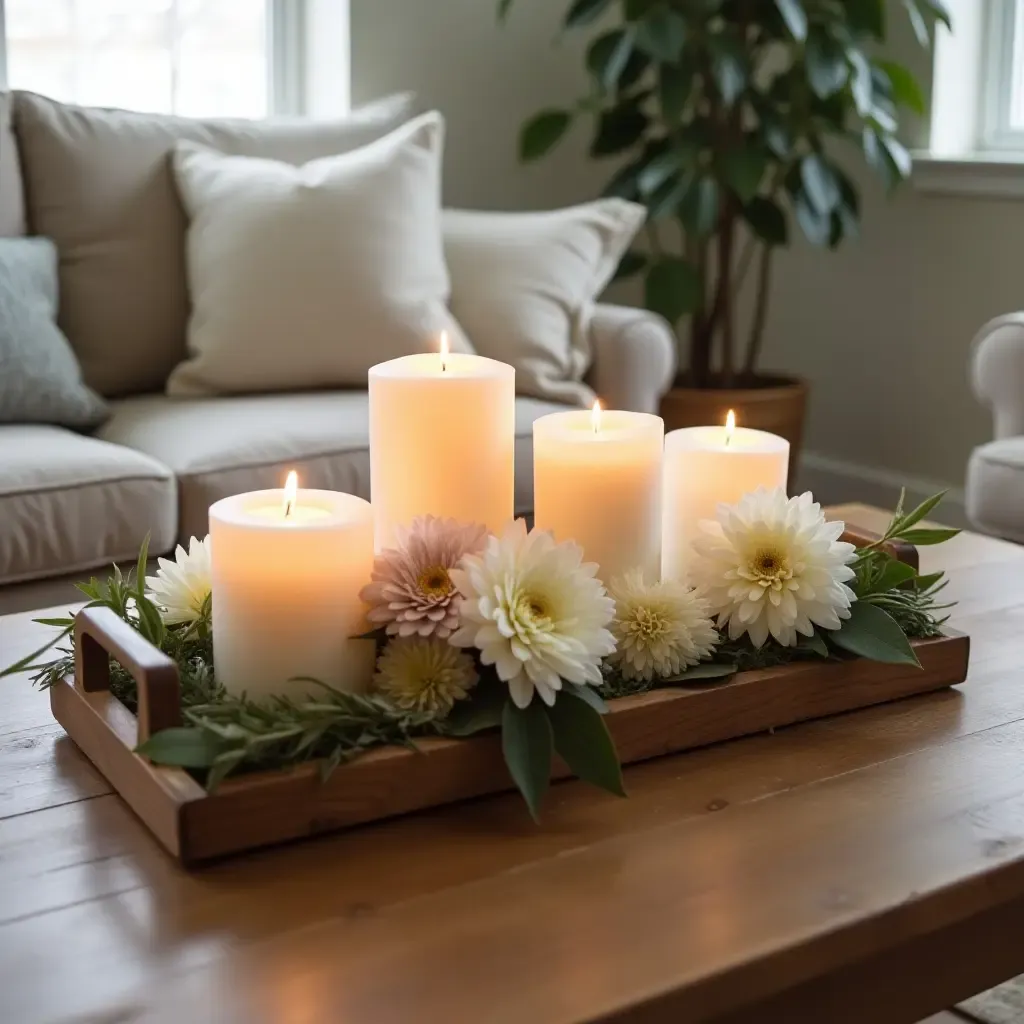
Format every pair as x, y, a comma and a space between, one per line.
12, 200
70, 503
222, 446
101, 187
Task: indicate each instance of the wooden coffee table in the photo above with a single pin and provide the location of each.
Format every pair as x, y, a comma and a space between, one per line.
868, 867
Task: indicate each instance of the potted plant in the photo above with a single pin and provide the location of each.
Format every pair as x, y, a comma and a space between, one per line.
732, 120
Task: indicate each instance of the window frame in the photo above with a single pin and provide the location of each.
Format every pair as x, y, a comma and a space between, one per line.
287, 35
1003, 42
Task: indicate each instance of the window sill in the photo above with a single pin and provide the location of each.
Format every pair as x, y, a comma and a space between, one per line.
988, 175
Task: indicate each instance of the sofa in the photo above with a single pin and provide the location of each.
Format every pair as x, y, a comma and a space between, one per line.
73, 502
995, 472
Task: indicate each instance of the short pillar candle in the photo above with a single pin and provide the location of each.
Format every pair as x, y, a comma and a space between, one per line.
597, 481
706, 466
442, 441
287, 569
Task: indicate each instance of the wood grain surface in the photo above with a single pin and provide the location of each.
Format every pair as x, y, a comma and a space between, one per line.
870, 860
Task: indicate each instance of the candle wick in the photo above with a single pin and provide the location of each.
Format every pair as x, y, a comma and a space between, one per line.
288, 508
728, 438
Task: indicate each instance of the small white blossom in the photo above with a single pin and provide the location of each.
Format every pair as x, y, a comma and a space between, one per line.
180, 588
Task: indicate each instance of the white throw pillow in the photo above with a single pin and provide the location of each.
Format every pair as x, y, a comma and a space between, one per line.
524, 286
304, 277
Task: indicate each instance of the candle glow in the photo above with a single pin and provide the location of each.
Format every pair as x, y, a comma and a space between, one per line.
595, 417
444, 349
730, 427
291, 491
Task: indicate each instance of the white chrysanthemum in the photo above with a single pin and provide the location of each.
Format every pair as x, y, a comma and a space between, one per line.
180, 588
424, 674
774, 565
659, 628
536, 612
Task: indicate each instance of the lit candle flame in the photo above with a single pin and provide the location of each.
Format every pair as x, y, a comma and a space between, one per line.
444, 351
730, 426
291, 491
595, 417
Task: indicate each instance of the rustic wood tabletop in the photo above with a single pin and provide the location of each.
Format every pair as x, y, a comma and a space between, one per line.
868, 866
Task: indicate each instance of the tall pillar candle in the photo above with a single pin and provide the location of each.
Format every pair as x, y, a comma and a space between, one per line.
706, 466
597, 480
286, 573
442, 441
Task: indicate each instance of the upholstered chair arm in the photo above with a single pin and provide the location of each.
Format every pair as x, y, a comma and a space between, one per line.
634, 358
997, 372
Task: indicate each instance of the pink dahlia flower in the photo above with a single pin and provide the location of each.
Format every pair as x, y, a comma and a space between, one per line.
411, 592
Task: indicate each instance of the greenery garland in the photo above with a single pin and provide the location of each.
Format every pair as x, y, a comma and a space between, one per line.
225, 734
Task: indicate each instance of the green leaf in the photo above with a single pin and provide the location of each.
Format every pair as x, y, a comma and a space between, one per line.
140, 566
905, 87
183, 747
816, 643
827, 68
873, 633
482, 711
666, 199
795, 17
542, 132
777, 136
632, 262
151, 625
940, 11
862, 84
608, 56
583, 12
526, 741
917, 21
888, 157
662, 34
618, 129
768, 220
27, 662
703, 672
64, 623
820, 184
623, 184
744, 169
915, 515
660, 169
816, 226
729, 65
698, 210
893, 575
672, 288
503, 9
584, 743
675, 83
866, 16
925, 537
588, 695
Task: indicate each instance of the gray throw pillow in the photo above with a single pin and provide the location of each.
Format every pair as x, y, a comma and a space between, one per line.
40, 379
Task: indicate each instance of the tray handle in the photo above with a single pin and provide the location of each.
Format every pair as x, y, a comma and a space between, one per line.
100, 634
900, 550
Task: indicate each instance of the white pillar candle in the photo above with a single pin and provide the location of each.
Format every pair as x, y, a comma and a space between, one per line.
597, 480
287, 568
442, 441
705, 466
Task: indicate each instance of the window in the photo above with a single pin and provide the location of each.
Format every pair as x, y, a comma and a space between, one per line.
206, 58
1002, 122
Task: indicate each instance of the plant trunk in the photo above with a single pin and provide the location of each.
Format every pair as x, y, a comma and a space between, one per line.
764, 279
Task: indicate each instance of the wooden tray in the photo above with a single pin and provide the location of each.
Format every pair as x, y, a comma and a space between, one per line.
269, 807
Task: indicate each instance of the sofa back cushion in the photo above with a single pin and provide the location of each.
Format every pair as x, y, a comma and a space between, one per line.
100, 184
12, 200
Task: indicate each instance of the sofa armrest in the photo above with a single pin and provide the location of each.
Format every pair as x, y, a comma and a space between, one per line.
997, 372
634, 357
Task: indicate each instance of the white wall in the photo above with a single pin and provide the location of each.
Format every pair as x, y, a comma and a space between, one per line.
881, 329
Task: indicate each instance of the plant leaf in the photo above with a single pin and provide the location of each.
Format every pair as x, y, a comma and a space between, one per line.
918, 22
672, 288
526, 742
816, 643
867, 16
706, 670
619, 129
698, 210
662, 34
582, 739
27, 662
768, 220
674, 86
795, 17
482, 711
583, 12
729, 65
140, 566
542, 132
873, 633
905, 87
183, 747
588, 695
608, 56
894, 575
827, 67
632, 262
820, 184
503, 9
915, 515
925, 537
743, 169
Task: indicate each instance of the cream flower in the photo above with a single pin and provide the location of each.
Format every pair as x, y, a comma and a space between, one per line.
535, 611
659, 628
180, 588
424, 674
773, 564
411, 591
